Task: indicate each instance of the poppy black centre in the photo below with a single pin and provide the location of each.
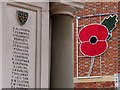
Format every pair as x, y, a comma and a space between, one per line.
93, 40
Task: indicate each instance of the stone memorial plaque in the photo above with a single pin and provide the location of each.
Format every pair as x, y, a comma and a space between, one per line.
117, 81
20, 38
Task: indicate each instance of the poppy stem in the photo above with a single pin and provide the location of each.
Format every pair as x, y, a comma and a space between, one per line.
91, 66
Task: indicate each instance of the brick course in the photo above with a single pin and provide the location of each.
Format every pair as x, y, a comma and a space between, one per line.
95, 85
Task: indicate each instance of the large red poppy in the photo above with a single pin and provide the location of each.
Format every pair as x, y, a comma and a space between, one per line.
93, 40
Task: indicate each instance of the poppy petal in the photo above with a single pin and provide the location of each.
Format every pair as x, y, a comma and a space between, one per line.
93, 49
97, 30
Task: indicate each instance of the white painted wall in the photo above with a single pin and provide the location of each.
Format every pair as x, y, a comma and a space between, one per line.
45, 60
45, 73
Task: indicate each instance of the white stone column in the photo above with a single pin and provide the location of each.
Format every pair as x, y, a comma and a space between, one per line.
62, 56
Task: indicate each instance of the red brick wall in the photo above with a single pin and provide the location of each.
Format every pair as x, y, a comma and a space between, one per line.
110, 57
119, 39
95, 85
